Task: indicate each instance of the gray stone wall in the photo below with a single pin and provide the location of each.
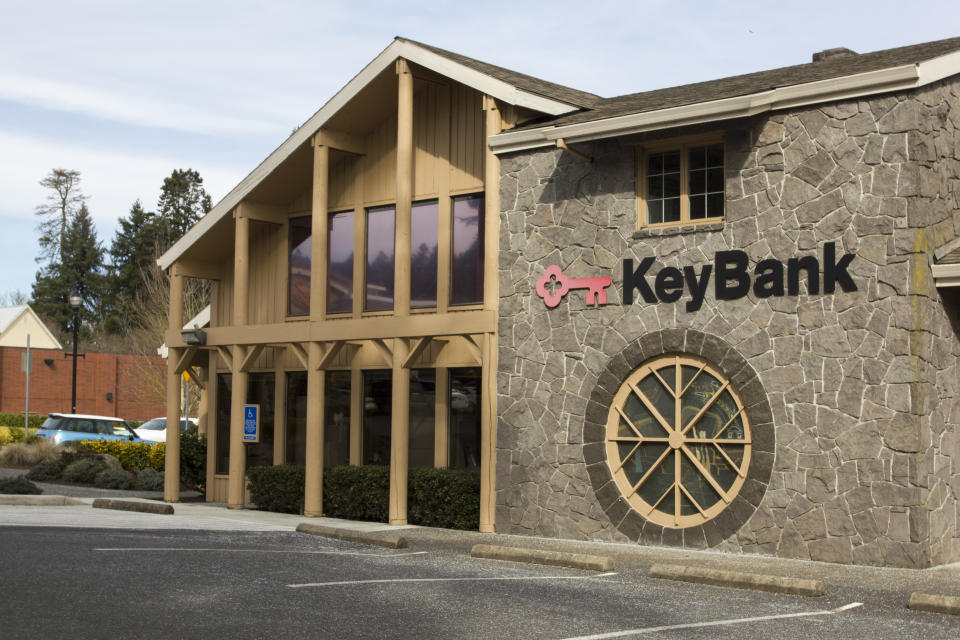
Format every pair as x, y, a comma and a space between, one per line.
862, 387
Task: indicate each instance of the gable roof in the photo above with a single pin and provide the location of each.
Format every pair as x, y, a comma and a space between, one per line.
505, 85
834, 78
10, 315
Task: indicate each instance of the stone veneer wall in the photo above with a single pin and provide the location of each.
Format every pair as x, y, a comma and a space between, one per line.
862, 387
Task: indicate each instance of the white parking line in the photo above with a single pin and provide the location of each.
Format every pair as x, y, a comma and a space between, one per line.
400, 580
333, 552
716, 623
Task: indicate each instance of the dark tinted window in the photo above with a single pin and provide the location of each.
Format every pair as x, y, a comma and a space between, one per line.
340, 263
300, 260
381, 225
336, 429
424, 246
466, 277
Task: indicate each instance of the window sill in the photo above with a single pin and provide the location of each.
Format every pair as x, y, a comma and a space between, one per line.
678, 230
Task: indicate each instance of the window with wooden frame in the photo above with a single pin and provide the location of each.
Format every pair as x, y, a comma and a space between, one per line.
678, 441
681, 182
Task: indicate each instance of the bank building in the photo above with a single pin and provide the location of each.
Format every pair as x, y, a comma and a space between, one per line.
715, 316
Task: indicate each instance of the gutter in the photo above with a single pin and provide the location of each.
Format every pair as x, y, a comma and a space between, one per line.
908, 76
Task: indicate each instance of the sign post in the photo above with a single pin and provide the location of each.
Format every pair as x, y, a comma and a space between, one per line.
27, 365
251, 423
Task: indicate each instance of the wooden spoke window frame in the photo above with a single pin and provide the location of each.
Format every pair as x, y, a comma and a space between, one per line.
678, 441
651, 205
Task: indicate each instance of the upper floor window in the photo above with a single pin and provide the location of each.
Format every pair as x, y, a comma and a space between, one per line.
424, 246
466, 272
298, 298
381, 229
340, 262
682, 184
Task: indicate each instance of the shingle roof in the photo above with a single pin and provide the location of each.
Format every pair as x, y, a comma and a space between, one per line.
757, 82
519, 80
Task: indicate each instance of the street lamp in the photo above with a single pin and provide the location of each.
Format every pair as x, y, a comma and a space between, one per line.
75, 302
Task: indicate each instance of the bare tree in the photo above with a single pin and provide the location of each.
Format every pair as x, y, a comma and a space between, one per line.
13, 299
64, 201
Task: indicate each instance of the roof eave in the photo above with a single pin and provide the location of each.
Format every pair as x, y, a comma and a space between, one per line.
398, 49
901, 77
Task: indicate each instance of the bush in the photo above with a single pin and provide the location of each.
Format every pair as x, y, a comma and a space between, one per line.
84, 471
16, 420
46, 470
113, 479
357, 493
448, 498
19, 485
23, 454
150, 479
278, 488
193, 458
132, 455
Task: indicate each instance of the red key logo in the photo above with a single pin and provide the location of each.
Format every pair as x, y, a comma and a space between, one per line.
553, 285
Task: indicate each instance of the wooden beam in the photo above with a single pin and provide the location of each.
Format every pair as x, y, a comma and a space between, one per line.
261, 212
202, 270
299, 352
185, 357
384, 350
473, 347
253, 353
331, 353
198, 376
341, 141
227, 356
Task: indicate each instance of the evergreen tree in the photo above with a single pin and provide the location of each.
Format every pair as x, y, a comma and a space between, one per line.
56, 213
183, 201
80, 271
132, 254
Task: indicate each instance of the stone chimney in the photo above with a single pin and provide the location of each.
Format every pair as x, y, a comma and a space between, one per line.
830, 54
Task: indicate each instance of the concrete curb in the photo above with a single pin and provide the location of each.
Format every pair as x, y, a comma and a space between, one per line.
39, 501
350, 535
537, 556
738, 580
935, 603
131, 505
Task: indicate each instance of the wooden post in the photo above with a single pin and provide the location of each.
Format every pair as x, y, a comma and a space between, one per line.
399, 434
313, 482
318, 237
279, 411
441, 419
356, 417
236, 488
401, 277
488, 434
491, 236
212, 384
171, 465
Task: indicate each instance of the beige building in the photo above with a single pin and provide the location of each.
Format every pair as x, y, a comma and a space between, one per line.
16, 323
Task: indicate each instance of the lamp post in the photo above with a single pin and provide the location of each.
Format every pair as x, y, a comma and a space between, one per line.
75, 302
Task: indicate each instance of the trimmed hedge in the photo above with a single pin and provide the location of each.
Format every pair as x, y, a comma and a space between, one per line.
448, 498
134, 456
19, 485
16, 420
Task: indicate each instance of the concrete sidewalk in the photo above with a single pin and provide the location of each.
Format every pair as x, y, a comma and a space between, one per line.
944, 580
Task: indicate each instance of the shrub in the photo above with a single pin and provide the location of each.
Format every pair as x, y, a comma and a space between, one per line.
19, 485
193, 458
278, 488
46, 470
132, 455
84, 470
150, 479
357, 493
448, 498
23, 454
16, 420
113, 479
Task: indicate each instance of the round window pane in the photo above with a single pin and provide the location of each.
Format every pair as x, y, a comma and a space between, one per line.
678, 441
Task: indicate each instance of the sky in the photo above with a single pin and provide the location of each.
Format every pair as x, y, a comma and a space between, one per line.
127, 91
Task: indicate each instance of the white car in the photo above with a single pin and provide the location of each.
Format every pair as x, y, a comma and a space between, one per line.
156, 430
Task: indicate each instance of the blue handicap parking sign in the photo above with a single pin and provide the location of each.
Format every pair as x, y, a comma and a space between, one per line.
251, 423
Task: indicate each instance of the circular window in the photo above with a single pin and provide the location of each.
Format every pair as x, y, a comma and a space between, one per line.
678, 441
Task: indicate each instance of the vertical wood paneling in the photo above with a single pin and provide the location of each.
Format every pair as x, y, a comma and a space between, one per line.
466, 139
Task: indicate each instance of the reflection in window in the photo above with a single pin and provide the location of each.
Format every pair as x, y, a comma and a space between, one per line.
296, 418
380, 250
224, 387
663, 187
423, 254
705, 179
377, 401
466, 277
423, 384
336, 424
340, 263
298, 299
261, 390
464, 424
678, 468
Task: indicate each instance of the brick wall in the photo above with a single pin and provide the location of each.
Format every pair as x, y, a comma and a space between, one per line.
135, 383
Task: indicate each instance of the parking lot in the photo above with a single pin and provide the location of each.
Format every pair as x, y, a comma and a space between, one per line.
64, 582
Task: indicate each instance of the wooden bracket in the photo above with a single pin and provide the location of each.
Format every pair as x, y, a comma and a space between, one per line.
300, 353
253, 353
561, 144
418, 349
384, 350
184, 362
226, 355
473, 347
199, 376
331, 354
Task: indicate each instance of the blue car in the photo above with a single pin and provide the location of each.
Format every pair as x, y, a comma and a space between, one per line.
64, 427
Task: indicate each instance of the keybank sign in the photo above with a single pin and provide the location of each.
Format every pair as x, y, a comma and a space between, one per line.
730, 273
